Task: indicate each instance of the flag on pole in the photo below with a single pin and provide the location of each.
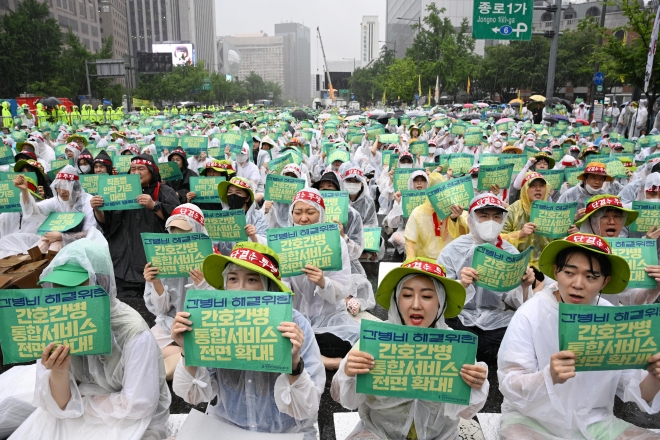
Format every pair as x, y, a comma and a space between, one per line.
419, 85
437, 89
520, 111
468, 86
429, 96
384, 90
652, 46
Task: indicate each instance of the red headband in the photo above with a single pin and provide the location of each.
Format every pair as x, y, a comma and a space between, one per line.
591, 240
224, 166
198, 217
605, 201
595, 170
256, 258
435, 269
532, 176
310, 196
354, 171
489, 200
85, 156
67, 176
31, 186
145, 162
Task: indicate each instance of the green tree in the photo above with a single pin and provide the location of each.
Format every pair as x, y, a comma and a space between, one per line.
366, 83
400, 80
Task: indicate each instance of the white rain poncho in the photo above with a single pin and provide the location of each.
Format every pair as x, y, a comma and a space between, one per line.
484, 308
636, 190
395, 218
258, 401
567, 410
253, 216
364, 205
119, 396
326, 308
16, 392
580, 195
166, 305
391, 418
75, 149
278, 215
79, 201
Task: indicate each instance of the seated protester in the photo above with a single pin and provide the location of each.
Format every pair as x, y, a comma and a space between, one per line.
277, 213
78, 139
70, 197
321, 295
419, 181
16, 222
605, 216
426, 235
121, 395
352, 232
542, 161
213, 168
32, 166
416, 294
72, 151
544, 398
386, 185
103, 164
486, 312
644, 188
129, 149
165, 297
595, 181
359, 197
85, 163
238, 193
518, 230
122, 228
253, 400
27, 151
182, 186
244, 168
502, 194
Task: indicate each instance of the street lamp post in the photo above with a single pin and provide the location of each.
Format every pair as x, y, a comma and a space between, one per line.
419, 28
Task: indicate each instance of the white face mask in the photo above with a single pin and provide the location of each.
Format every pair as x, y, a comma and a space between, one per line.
593, 191
85, 168
530, 143
431, 151
497, 145
241, 158
405, 165
352, 187
489, 230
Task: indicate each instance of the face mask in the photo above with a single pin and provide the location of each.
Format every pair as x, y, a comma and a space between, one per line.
593, 191
235, 201
431, 151
353, 188
529, 143
242, 158
497, 145
405, 165
488, 230
85, 168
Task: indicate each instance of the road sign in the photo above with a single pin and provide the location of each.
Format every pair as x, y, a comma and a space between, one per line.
502, 20
599, 78
599, 88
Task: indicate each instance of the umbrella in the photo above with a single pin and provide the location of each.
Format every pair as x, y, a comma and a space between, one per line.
515, 104
457, 105
505, 120
482, 105
516, 101
468, 105
537, 98
353, 117
582, 121
300, 115
566, 103
324, 116
49, 102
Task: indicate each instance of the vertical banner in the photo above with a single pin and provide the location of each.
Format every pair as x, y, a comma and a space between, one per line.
175, 255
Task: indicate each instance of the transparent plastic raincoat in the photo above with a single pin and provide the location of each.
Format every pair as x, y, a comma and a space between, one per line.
119, 396
396, 220
580, 408
580, 195
391, 418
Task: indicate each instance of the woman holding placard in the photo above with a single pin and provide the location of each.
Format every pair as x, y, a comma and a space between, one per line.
416, 294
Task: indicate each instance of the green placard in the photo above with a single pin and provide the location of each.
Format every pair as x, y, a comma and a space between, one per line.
336, 206
616, 169
649, 216
206, 188
609, 338
122, 163
11, 175
375, 131
175, 255
30, 319
237, 330
60, 163
232, 138
639, 253
411, 199
457, 129
194, 145
371, 239
317, 245
518, 161
571, 175
489, 159
420, 148
338, 154
282, 188
401, 177
119, 192
554, 178
531, 152
226, 225
330, 129
502, 20
169, 171
6, 155
552, 220
499, 270
494, 175
356, 139
166, 142
60, 222
416, 363
473, 139
275, 166
460, 163
388, 138
10, 197
452, 192
90, 183
387, 157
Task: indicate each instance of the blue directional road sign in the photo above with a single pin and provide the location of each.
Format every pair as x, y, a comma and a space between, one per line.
599, 78
352, 96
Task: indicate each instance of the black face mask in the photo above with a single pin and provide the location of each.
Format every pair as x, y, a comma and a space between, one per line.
235, 201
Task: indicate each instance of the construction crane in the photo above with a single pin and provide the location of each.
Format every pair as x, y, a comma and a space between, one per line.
327, 72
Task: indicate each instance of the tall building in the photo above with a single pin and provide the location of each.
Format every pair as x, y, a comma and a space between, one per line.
197, 25
262, 55
112, 16
369, 31
297, 60
151, 21
80, 16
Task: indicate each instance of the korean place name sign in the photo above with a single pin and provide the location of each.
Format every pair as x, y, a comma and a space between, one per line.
416, 363
30, 319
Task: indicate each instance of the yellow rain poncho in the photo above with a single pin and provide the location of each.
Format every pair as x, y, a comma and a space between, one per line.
426, 234
519, 215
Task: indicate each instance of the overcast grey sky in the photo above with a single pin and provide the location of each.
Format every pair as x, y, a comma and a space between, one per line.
339, 21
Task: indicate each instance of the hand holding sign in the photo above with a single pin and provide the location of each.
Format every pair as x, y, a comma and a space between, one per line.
358, 362
315, 275
292, 331
181, 324
562, 366
474, 375
146, 201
